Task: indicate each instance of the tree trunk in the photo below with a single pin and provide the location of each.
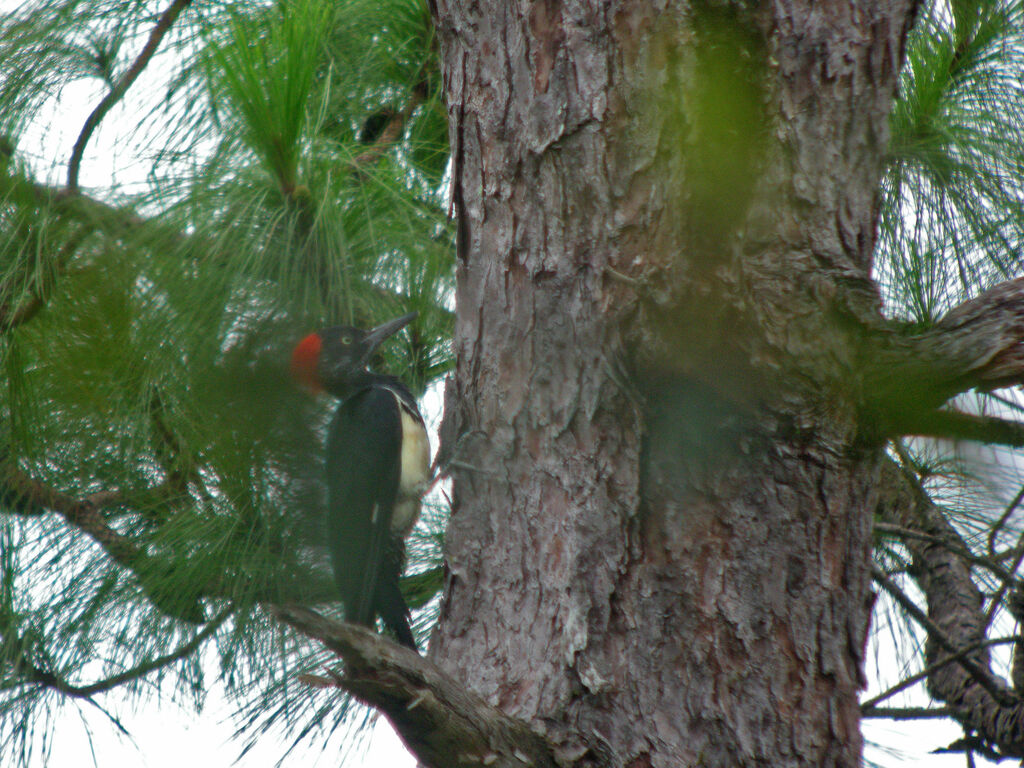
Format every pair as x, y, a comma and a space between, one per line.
659, 545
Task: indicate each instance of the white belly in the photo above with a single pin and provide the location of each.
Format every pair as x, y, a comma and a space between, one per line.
414, 473
415, 455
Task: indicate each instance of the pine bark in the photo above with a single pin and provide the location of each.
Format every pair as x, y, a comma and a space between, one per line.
659, 547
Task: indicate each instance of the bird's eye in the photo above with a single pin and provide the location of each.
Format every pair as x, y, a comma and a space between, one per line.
346, 340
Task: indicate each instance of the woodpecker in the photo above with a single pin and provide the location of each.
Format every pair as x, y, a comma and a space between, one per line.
377, 464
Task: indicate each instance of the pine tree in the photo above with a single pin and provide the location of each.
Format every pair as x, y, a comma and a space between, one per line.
161, 470
718, 271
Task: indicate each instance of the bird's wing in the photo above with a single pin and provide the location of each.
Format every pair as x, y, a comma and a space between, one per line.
363, 449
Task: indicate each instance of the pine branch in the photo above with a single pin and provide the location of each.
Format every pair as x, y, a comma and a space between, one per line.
440, 721
393, 127
956, 425
121, 223
23, 495
177, 464
52, 680
932, 668
937, 635
990, 564
955, 622
29, 496
114, 221
986, 336
12, 317
998, 598
121, 87
994, 532
977, 345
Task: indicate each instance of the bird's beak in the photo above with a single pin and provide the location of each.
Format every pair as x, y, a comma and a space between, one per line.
373, 338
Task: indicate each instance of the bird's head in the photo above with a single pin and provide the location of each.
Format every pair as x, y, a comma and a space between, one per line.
335, 359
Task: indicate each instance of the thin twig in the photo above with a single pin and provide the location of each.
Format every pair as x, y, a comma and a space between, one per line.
982, 562
923, 674
935, 633
1002, 521
11, 318
1008, 554
121, 87
907, 713
997, 599
50, 680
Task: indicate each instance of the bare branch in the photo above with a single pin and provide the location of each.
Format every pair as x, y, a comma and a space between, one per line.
977, 345
986, 335
438, 718
955, 610
121, 87
57, 683
962, 426
908, 713
932, 668
998, 690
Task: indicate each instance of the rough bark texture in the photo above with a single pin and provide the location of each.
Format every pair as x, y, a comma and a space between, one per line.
659, 548
439, 720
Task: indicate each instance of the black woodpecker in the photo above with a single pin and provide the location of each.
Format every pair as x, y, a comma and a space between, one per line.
378, 459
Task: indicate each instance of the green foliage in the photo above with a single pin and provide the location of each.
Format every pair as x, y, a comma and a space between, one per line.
145, 338
952, 216
263, 75
144, 335
951, 225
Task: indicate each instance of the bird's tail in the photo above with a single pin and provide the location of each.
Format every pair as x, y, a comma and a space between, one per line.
389, 601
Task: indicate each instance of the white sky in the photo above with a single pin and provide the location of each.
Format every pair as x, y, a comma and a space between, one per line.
168, 736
